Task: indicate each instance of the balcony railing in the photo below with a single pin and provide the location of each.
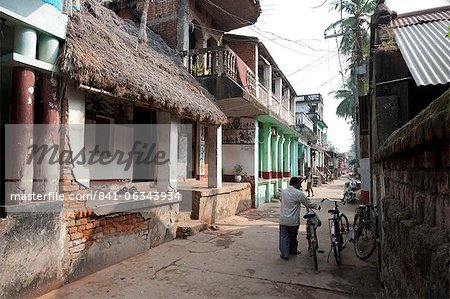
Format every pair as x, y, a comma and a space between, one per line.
220, 60
303, 119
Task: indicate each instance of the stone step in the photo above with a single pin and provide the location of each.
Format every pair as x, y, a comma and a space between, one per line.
190, 227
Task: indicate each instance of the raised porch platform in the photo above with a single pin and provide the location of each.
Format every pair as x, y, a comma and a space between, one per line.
214, 204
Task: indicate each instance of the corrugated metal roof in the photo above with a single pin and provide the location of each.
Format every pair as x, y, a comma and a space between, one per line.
426, 51
422, 16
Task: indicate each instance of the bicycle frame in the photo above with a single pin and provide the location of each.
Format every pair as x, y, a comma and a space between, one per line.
336, 231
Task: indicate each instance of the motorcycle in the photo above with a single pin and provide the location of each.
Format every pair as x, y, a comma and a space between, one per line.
350, 191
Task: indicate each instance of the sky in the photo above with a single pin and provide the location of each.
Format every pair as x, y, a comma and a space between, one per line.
293, 31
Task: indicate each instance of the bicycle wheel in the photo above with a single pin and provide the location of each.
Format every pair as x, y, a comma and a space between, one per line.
344, 229
337, 253
314, 246
365, 240
358, 219
336, 239
308, 236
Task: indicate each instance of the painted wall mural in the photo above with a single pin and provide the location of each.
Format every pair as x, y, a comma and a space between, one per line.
239, 130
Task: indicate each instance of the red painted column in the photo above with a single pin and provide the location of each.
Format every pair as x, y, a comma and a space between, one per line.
22, 104
19, 173
46, 172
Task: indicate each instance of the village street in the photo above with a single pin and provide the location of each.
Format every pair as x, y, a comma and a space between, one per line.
241, 259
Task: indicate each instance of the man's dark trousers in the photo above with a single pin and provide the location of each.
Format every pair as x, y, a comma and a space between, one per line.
288, 239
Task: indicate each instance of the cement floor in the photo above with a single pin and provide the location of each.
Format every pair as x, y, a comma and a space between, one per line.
239, 260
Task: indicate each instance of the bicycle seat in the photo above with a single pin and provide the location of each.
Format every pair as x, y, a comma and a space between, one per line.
333, 211
307, 216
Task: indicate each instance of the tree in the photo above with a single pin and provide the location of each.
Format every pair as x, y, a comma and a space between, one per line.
142, 38
353, 27
355, 45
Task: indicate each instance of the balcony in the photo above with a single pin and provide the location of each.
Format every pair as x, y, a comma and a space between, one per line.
233, 83
303, 120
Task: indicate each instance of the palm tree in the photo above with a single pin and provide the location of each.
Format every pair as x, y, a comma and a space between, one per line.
353, 27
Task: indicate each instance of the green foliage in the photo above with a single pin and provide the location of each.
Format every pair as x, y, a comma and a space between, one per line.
355, 45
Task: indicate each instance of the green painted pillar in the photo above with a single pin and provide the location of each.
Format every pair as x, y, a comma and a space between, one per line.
275, 142
266, 152
287, 157
294, 153
256, 163
280, 156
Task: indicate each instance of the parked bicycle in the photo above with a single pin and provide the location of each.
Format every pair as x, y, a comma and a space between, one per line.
312, 223
365, 232
339, 229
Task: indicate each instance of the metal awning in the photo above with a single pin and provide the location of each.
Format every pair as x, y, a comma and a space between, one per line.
426, 51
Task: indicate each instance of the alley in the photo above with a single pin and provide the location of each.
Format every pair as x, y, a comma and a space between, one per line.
241, 259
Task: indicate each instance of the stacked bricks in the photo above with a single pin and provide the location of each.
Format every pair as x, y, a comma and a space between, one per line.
415, 214
84, 228
162, 19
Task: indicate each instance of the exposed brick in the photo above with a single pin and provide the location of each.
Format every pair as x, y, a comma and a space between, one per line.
77, 235
81, 221
69, 188
72, 229
78, 248
70, 223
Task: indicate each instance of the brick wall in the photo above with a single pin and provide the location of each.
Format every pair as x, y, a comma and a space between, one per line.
94, 242
162, 16
415, 211
245, 50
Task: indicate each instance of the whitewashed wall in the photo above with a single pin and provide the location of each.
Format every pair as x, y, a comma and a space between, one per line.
238, 154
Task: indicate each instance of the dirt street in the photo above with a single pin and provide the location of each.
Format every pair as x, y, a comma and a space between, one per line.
239, 260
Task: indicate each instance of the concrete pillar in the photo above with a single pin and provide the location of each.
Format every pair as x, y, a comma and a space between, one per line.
280, 156
268, 80
279, 88
25, 41
287, 158
19, 168
266, 171
48, 48
167, 145
288, 99
295, 153
19, 136
46, 172
275, 142
256, 163
256, 70
214, 157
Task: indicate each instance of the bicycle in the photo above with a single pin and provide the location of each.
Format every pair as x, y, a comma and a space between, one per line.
312, 223
365, 232
339, 229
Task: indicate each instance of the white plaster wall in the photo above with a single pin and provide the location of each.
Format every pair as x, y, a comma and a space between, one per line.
76, 122
238, 154
121, 140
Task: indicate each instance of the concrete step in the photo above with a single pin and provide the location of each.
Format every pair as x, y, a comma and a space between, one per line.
190, 227
184, 216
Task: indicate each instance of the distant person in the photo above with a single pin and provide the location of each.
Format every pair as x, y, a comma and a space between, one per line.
291, 200
309, 182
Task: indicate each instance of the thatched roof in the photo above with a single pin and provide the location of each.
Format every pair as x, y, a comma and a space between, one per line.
102, 51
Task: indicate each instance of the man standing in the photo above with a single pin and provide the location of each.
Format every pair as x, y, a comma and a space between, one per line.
291, 200
309, 181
